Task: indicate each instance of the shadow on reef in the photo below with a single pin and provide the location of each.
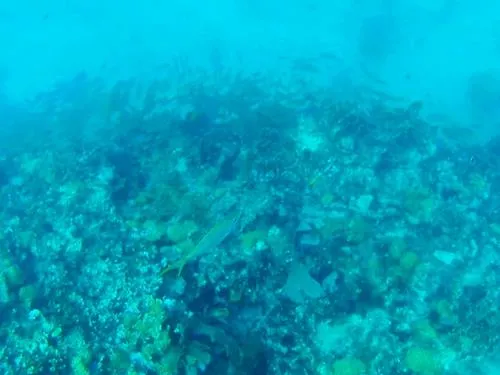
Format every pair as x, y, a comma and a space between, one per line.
211, 330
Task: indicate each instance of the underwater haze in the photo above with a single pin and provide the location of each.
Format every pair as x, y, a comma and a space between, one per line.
444, 53
250, 187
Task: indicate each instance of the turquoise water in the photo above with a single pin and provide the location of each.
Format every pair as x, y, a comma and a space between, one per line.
357, 142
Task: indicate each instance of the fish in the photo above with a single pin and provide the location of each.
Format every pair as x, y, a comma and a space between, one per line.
210, 241
318, 175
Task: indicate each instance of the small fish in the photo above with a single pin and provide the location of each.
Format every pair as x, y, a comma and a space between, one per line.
312, 182
220, 314
318, 175
328, 56
305, 65
209, 242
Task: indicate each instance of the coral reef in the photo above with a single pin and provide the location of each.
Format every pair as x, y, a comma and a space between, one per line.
344, 239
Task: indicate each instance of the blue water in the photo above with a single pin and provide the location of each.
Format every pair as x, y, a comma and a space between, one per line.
358, 139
